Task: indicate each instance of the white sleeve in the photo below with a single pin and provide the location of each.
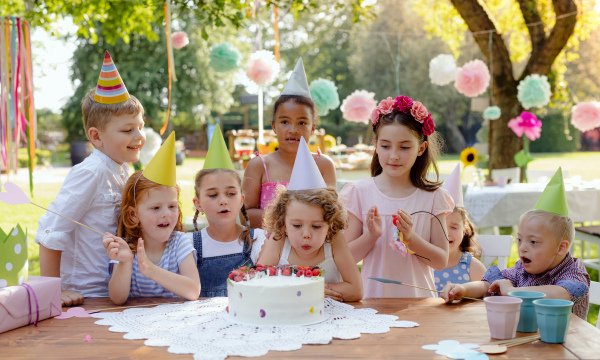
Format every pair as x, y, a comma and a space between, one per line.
259, 235
73, 201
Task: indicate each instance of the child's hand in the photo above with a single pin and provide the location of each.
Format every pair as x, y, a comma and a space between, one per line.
374, 223
502, 286
404, 223
332, 294
146, 266
452, 292
117, 248
71, 298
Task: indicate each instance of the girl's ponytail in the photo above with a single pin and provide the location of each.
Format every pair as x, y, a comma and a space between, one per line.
196, 219
245, 235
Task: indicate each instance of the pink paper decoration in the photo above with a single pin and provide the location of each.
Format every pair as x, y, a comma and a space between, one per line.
472, 79
586, 116
527, 124
180, 39
262, 68
357, 107
13, 195
73, 312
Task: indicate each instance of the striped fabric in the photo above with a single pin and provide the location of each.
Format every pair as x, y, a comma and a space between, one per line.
569, 274
179, 246
110, 88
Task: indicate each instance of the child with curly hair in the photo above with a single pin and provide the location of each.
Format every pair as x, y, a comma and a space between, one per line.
305, 223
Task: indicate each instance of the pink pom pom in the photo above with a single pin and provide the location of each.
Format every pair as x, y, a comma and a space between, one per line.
179, 39
398, 245
472, 79
262, 68
358, 106
586, 115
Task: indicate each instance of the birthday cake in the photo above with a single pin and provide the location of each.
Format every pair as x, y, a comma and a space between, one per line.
276, 295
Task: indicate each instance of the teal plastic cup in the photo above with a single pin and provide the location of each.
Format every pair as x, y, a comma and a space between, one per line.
527, 321
553, 318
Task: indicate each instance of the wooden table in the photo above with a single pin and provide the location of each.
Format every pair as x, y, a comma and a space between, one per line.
465, 322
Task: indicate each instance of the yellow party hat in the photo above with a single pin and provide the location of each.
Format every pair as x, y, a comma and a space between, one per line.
161, 169
217, 156
554, 198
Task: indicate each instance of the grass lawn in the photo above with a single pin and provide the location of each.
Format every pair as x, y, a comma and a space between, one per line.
576, 163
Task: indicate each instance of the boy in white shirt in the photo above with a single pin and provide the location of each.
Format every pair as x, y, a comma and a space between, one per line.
91, 193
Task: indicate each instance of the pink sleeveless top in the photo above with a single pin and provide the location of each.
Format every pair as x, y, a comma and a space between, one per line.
268, 190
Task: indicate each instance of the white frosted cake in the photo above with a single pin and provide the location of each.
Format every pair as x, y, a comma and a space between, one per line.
277, 300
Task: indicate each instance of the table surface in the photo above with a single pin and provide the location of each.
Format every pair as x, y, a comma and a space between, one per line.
465, 322
502, 206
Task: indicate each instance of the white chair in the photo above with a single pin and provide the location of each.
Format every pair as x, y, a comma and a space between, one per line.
595, 297
534, 175
442, 177
513, 174
495, 247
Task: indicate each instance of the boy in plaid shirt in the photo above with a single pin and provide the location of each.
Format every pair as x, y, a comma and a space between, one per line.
545, 235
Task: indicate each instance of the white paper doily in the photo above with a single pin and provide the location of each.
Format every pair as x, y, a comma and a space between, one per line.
200, 328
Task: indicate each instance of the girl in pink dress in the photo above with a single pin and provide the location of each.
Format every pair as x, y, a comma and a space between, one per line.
399, 203
294, 116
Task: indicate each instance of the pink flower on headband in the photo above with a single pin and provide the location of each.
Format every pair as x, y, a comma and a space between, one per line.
403, 103
385, 107
428, 126
419, 111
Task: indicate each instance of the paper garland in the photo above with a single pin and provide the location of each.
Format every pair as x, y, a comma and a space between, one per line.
17, 110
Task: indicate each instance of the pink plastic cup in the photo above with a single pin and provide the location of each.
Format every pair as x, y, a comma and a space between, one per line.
503, 316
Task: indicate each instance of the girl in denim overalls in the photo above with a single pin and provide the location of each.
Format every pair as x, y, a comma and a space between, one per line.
224, 245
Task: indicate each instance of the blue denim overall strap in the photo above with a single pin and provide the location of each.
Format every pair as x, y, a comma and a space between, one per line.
214, 270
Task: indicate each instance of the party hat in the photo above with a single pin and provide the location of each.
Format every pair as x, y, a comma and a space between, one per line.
110, 88
554, 198
297, 83
454, 186
217, 156
161, 169
305, 174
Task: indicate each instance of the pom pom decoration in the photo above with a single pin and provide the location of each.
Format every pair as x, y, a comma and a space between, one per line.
472, 79
527, 124
224, 57
586, 115
325, 95
179, 39
357, 107
262, 67
442, 69
492, 113
153, 142
534, 91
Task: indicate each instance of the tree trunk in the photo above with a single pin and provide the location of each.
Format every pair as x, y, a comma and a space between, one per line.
455, 139
504, 144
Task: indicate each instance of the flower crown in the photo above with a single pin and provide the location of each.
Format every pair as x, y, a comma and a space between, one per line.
404, 104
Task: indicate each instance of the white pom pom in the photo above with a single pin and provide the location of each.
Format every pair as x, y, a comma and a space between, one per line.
442, 69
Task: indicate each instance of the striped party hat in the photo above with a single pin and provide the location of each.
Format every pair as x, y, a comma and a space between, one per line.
110, 89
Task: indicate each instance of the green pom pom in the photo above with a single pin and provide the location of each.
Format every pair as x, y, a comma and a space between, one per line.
324, 94
224, 57
534, 91
492, 113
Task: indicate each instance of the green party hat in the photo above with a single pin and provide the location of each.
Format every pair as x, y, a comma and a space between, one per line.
554, 198
13, 257
217, 156
161, 169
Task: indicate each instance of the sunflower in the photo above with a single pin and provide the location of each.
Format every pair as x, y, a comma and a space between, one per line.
468, 156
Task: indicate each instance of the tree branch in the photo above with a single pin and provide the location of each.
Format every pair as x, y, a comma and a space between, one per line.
564, 27
479, 21
536, 29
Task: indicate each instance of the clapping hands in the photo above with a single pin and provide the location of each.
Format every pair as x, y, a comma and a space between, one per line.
374, 223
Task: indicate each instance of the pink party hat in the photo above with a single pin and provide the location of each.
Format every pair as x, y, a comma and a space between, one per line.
110, 89
305, 174
454, 186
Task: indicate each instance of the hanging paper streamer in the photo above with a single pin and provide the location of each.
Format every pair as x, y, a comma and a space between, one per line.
171, 62
276, 32
17, 111
224, 57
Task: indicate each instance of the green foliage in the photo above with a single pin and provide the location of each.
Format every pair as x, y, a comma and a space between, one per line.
553, 137
47, 120
42, 157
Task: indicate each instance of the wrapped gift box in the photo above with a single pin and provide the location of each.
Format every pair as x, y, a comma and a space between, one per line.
18, 303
